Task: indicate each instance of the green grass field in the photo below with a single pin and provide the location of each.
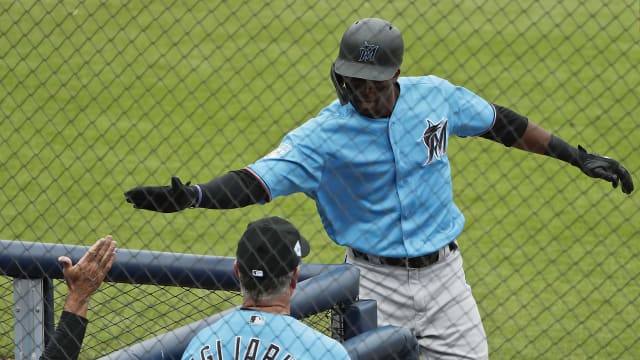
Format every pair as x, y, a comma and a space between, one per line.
98, 97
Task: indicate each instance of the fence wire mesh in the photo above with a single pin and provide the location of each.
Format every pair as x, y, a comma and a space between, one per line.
101, 96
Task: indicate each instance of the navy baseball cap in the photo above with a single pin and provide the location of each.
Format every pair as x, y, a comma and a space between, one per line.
269, 248
370, 49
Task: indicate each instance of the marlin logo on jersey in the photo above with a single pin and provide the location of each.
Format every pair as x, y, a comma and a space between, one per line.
368, 52
434, 139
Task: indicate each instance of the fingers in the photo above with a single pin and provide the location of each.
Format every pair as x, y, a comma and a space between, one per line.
93, 252
138, 195
603, 173
127, 197
92, 268
155, 198
66, 262
617, 175
110, 254
176, 184
104, 253
102, 247
608, 169
615, 182
626, 181
581, 149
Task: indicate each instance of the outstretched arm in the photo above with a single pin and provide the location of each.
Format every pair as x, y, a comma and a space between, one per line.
232, 190
513, 129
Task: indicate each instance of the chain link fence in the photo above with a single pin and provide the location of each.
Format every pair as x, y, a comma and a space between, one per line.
97, 97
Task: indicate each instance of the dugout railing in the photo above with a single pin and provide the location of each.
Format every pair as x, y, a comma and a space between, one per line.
322, 287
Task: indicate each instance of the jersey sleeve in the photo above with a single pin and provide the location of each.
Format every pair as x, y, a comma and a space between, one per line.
294, 166
471, 114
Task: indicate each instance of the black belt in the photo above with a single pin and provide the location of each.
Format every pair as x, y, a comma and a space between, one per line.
414, 262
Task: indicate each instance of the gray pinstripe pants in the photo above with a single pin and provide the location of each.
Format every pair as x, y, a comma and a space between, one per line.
435, 302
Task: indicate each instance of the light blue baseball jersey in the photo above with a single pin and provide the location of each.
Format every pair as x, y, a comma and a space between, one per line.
249, 334
381, 186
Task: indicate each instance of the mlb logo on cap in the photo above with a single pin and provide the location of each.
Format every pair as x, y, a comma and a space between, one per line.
257, 273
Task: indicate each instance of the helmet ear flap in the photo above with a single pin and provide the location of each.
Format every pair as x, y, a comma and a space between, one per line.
341, 87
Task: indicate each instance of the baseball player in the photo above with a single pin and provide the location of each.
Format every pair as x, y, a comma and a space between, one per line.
375, 162
267, 260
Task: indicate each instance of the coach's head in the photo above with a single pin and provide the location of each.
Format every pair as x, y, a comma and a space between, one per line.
267, 262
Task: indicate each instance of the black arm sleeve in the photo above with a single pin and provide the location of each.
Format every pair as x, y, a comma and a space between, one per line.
559, 149
508, 127
235, 189
67, 340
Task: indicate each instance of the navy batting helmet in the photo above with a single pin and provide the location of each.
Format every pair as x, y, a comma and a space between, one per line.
370, 49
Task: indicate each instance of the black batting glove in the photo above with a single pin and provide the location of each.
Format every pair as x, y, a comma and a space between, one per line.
602, 167
165, 199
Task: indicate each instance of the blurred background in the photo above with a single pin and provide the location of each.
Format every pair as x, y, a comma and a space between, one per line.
97, 97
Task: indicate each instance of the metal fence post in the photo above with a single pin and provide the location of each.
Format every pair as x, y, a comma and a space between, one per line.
29, 315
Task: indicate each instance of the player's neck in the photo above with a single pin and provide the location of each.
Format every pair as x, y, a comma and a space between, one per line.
276, 306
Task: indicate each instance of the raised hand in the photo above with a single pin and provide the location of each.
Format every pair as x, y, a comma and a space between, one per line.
85, 277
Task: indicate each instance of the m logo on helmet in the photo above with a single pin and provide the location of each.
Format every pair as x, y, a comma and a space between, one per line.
368, 52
